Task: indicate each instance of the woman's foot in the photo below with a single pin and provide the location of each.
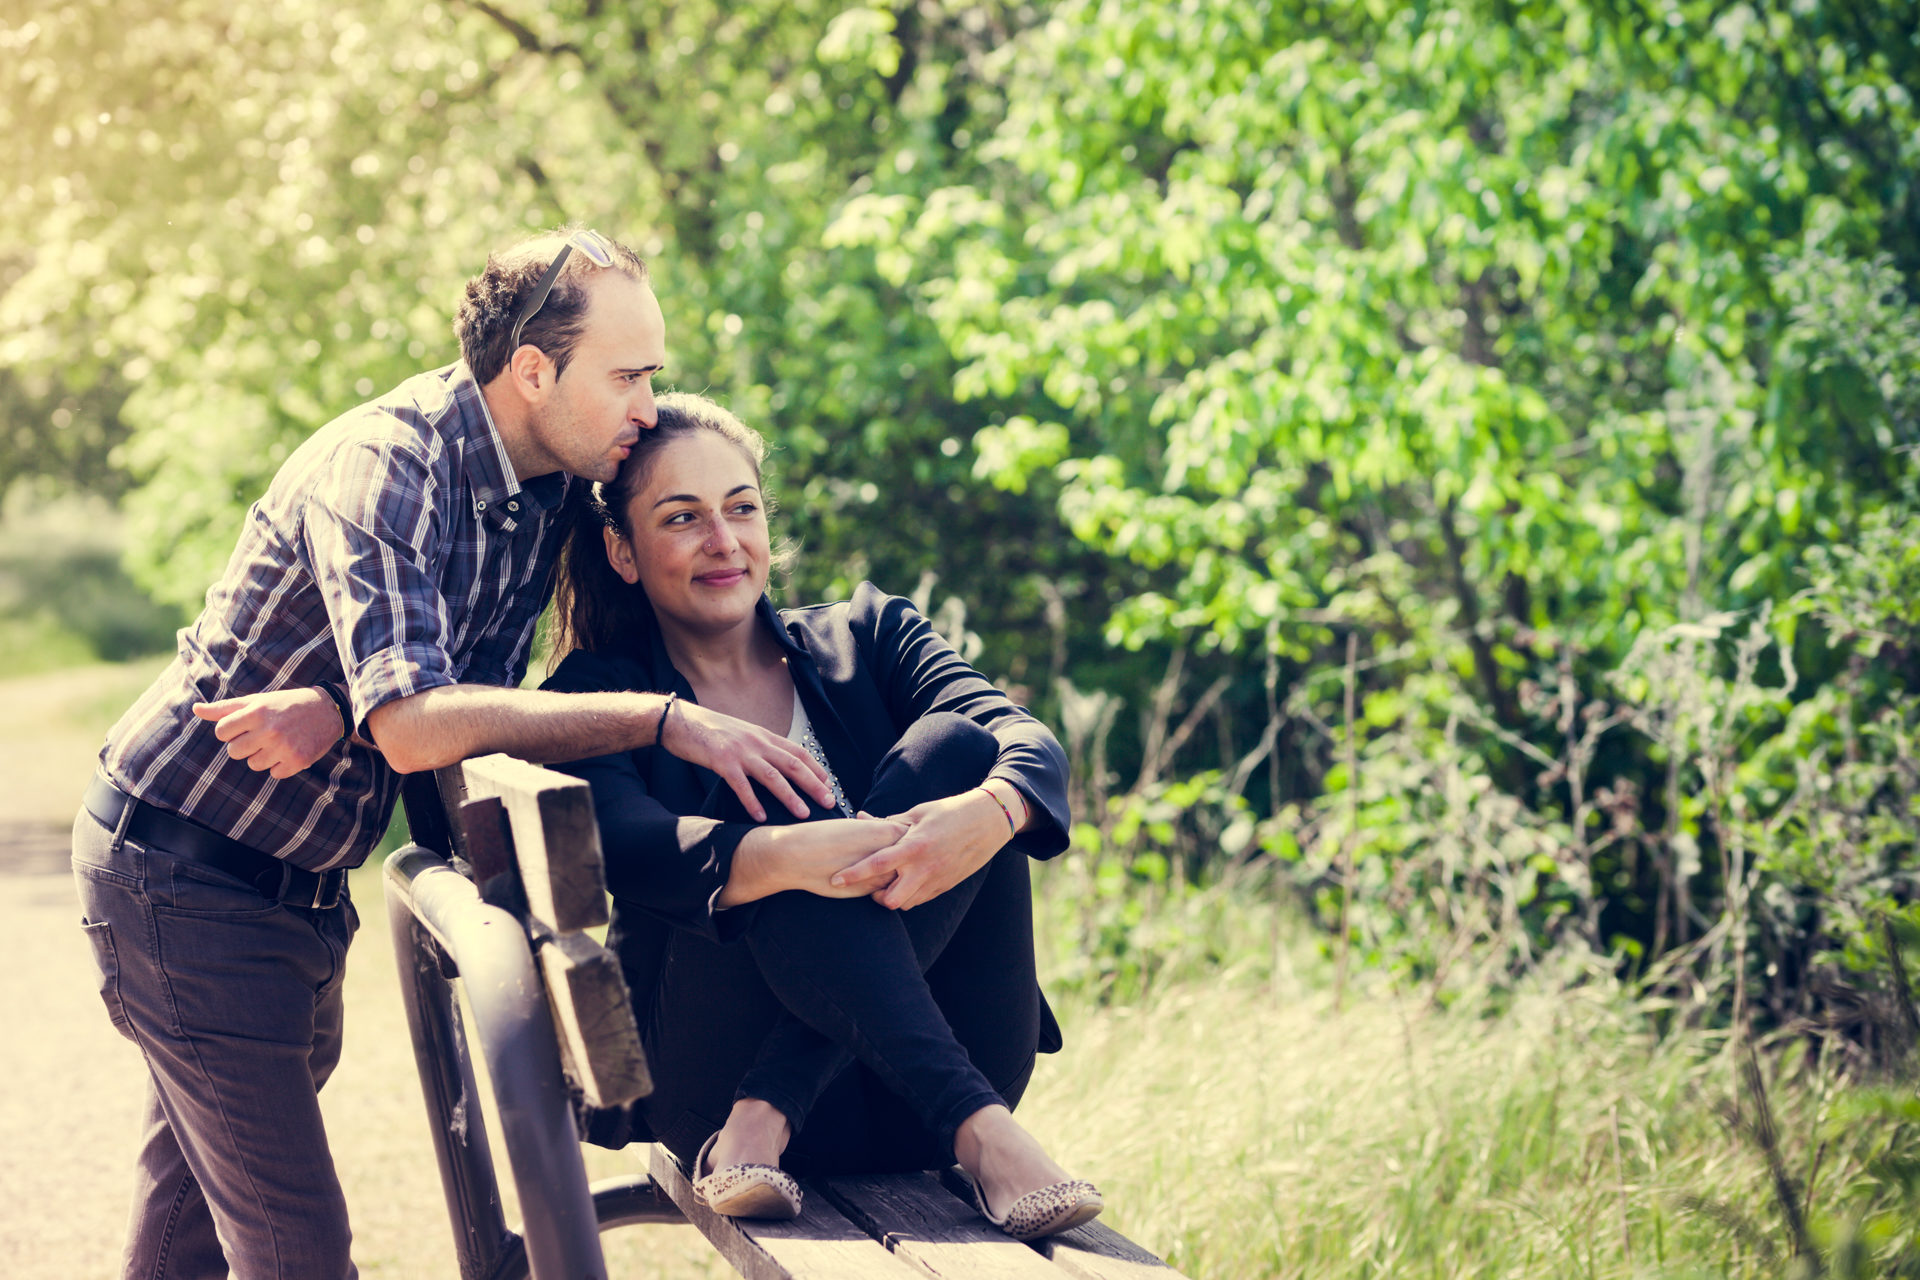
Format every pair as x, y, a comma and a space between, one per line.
737, 1173
1018, 1186
756, 1132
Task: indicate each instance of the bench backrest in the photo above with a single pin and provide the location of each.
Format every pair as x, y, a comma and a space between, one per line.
532, 843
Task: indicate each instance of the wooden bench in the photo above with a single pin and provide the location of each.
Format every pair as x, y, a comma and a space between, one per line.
498, 890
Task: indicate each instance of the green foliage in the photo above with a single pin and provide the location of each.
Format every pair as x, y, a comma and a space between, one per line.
64, 599
1547, 351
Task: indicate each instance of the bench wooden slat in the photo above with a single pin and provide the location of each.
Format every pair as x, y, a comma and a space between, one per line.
599, 1039
555, 838
821, 1244
927, 1227
1093, 1252
1098, 1252
487, 841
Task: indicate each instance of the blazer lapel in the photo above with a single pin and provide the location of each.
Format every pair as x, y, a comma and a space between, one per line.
852, 765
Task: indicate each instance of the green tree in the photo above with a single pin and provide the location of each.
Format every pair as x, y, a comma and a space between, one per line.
1497, 334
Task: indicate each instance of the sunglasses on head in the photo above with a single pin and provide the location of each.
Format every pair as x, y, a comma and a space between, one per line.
598, 250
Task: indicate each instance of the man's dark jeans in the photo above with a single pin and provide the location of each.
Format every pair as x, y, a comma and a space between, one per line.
235, 1002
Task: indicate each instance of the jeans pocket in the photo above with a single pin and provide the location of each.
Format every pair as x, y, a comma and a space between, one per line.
181, 888
100, 938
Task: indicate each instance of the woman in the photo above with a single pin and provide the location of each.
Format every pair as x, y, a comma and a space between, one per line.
847, 993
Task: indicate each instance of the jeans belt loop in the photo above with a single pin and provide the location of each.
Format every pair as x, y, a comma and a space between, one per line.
281, 893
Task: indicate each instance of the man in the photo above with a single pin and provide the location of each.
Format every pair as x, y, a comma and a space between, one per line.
385, 589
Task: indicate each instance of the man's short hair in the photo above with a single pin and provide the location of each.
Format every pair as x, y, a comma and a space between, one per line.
493, 299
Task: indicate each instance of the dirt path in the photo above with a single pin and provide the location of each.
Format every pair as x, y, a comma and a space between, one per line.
70, 1086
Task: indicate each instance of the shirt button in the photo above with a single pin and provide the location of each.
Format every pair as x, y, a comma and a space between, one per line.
513, 506
481, 505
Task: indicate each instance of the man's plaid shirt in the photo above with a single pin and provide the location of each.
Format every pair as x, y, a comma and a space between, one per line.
394, 552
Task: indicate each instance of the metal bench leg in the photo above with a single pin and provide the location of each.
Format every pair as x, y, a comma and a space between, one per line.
436, 913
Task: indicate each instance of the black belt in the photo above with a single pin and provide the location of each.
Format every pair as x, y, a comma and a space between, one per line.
274, 877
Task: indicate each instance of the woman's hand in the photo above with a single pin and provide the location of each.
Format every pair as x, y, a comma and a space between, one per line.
813, 857
945, 841
742, 754
278, 733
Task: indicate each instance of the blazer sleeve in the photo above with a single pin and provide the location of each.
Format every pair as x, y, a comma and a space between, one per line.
670, 865
919, 673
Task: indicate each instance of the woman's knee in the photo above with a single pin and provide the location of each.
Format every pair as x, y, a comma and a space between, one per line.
941, 754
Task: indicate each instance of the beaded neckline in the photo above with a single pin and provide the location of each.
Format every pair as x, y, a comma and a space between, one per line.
802, 732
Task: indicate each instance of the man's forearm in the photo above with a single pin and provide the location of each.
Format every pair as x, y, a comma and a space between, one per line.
434, 728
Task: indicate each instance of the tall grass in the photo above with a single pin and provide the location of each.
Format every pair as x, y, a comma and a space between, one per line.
1248, 1129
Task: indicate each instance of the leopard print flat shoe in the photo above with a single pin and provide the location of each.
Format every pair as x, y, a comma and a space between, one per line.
1048, 1211
745, 1190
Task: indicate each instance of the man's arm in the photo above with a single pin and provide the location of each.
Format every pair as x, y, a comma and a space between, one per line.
287, 730
438, 726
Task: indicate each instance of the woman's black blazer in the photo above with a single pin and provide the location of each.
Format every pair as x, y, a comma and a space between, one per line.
865, 669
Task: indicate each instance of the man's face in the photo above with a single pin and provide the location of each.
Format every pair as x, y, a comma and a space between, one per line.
603, 402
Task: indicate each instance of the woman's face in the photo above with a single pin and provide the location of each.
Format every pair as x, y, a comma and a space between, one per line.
697, 535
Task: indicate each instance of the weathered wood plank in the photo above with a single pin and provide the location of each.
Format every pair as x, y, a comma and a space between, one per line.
489, 846
928, 1228
1092, 1252
556, 840
593, 1019
821, 1244
1098, 1252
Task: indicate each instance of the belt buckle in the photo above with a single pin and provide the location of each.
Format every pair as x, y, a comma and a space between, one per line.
326, 889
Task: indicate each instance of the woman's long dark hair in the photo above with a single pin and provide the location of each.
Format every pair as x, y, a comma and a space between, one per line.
594, 608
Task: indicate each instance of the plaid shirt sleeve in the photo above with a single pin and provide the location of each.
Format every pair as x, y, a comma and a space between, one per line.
371, 530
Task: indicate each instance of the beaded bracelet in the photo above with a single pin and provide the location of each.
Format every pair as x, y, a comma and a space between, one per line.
660, 726
1011, 829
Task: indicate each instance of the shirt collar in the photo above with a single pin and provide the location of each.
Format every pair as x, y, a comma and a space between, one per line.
488, 469
497, 491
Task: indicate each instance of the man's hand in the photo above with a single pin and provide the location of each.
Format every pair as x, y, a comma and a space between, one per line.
945, 842
742, 754
278, 733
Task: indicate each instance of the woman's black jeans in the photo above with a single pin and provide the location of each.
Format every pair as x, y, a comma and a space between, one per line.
875, 1032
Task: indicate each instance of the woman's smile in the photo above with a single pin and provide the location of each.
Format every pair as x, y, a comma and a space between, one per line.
699, 546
